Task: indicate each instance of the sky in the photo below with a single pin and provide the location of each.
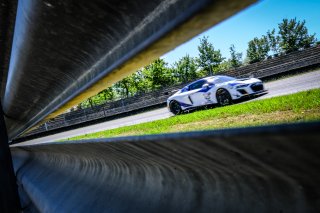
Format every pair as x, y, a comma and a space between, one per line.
252, 22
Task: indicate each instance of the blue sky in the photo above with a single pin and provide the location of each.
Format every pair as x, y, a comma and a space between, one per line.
252, 22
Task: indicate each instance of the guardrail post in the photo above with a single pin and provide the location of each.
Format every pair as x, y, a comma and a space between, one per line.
46, 126
9, 198
104, 112
85, 114
65, 121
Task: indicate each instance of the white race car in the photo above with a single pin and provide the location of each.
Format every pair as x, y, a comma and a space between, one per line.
221, 90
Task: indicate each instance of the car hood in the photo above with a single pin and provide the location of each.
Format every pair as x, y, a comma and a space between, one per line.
244, 81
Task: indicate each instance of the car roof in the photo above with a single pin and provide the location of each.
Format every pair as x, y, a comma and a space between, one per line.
216, 76
207, 78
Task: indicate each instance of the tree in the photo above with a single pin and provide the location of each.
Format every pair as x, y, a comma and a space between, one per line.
209, 58
158, 74
139, 82
123, 87
236, 58
293, 36
107, 94
185, 69
258, 49
273, 41
225, 65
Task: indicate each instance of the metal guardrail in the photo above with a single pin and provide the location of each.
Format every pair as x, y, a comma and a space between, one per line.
261, 169
280, 64
95, 113
265, 169
274, 66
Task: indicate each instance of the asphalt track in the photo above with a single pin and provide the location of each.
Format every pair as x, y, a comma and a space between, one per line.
279, 87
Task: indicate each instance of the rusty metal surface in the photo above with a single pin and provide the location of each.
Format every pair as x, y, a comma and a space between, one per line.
66, 51
263, 169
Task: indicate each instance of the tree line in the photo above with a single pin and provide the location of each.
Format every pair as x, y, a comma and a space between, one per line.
291, 35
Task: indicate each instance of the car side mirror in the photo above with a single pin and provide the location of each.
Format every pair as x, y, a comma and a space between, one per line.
205, 86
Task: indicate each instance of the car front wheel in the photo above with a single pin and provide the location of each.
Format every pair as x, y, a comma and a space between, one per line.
223, 97
175, 108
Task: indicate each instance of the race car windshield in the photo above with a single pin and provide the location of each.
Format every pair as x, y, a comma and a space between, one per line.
184, 89
222, 79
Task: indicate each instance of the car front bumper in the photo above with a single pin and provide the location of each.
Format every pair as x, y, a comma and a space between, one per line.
239, 94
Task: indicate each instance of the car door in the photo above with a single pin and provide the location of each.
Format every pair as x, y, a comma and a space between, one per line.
203, 95
195, 93
184, 97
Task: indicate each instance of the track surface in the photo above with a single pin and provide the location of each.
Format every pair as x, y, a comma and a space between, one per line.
285, 86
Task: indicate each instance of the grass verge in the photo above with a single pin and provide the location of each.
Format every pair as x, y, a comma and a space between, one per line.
302, 106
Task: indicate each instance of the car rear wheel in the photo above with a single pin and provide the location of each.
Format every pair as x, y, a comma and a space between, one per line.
175, 108
223, 97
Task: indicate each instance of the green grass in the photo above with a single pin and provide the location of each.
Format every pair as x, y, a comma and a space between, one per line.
303, 106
